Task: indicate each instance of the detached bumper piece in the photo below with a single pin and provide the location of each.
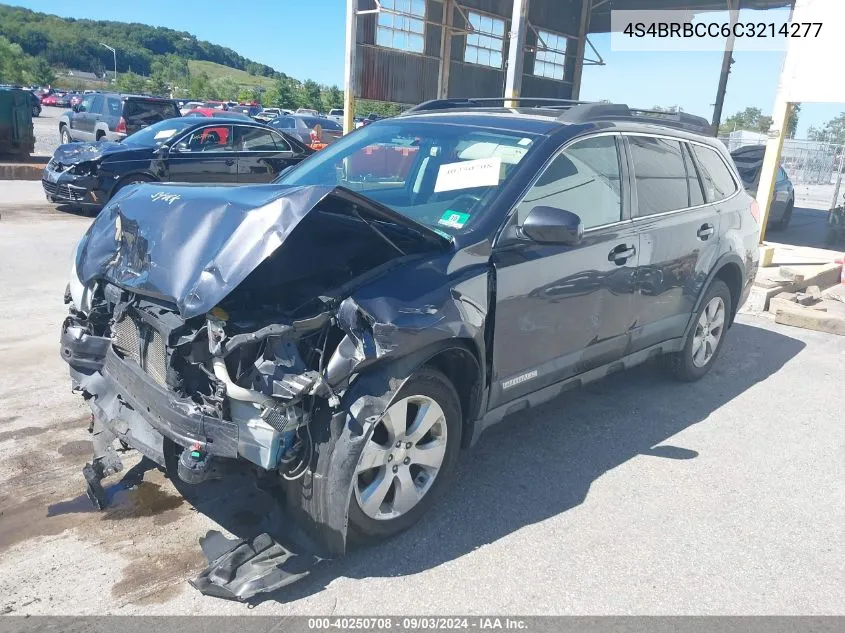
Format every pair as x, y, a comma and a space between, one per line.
240, 569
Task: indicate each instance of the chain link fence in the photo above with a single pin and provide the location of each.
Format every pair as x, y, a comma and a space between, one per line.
805, 162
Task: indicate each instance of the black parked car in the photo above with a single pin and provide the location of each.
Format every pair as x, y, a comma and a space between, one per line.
354, 326
749, 163
103, 116
189, 149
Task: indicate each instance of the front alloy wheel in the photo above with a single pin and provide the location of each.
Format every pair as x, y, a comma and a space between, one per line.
400, 462
708, 332
408, 459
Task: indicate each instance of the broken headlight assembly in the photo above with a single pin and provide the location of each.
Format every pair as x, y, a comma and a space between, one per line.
87, 168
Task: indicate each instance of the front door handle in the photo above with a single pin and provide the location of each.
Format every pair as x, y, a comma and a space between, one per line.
230, 162
621, 254
705, 231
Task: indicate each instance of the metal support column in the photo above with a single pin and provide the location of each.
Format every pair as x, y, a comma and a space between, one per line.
771, 159
516, 51
581, 48
727, 60
349, 68
445, 49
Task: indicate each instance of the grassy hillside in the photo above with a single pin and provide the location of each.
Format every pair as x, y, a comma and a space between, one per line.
240, 77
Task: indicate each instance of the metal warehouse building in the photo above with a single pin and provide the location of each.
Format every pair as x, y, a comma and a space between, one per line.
408, 51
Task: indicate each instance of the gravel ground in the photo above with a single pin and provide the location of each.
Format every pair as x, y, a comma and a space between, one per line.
47, 130
636, 495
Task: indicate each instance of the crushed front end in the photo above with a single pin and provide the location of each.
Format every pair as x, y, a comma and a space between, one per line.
204, 338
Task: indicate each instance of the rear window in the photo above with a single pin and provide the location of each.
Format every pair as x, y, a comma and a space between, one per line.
148, 112
661, 177
326, 124
284, 122
715, 175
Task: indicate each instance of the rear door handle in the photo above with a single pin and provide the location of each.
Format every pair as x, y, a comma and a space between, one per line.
621, 254
705, 231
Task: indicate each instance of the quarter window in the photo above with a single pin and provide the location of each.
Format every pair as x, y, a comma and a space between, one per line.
401, 25
97, 105
584, 179
718, 182
551, 55
661, 177
485, 41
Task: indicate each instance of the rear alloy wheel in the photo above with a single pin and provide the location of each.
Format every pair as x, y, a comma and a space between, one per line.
409, 457
706, 336
66, 136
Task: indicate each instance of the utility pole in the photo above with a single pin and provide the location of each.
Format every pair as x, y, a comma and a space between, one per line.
727, 60
114, 52
516, 52
349, 67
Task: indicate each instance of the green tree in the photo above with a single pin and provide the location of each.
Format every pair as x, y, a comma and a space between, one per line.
200, 86
792, 124
157, 85
751, 119
130, 82
42, 72
332, 97
833, 131
224, 88
13, 64
311, 95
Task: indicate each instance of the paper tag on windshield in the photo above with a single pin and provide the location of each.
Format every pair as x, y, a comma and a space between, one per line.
483, 172
164, 134
453, 219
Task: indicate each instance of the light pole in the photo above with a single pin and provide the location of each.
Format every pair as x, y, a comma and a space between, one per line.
114, 52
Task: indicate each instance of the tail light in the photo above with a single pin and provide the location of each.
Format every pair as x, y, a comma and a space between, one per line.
755, 211
121, 126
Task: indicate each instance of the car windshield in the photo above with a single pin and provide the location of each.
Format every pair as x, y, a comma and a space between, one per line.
158, 133
442, 176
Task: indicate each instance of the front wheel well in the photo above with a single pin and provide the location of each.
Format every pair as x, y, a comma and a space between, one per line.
731, 275
462, 369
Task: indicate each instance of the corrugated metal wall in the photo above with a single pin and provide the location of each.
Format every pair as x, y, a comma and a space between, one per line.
385, 74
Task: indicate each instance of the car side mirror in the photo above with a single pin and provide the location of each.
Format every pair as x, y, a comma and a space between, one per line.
176, 148
550, 225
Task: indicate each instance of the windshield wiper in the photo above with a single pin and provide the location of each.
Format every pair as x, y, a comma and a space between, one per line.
376, 230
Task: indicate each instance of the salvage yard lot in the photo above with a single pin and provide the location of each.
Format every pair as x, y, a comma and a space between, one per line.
634, 495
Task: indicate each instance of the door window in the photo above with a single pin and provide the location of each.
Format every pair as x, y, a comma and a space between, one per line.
660, 175
85, 106
114, 107
718, 182
781, 175
207, 139
97, 105
584, 179
253, 139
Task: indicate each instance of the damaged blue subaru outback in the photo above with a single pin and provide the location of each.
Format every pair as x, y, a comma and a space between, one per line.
350, 327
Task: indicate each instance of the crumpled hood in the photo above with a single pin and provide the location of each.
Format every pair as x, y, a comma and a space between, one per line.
192, 244
73, 153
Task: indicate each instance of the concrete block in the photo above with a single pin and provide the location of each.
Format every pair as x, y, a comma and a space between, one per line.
776, 303
824, 276
21, 171
791, 274
767, 254
758, 298
810, 319
814, 291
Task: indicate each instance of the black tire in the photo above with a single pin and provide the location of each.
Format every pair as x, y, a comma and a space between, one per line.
783, 224
65, 136
431, 384
680, 365
36, 111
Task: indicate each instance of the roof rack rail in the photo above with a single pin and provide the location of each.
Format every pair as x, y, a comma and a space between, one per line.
584, 113
487, 102
577, 111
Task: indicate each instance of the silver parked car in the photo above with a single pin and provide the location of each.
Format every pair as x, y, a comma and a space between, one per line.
311, 130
